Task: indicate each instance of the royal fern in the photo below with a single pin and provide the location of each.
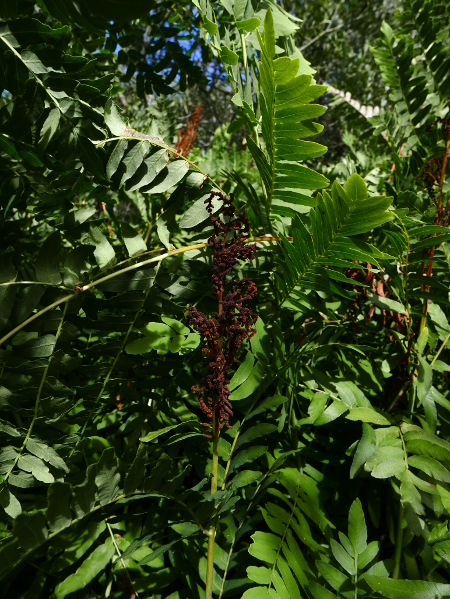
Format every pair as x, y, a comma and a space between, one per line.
285, 102
336, 219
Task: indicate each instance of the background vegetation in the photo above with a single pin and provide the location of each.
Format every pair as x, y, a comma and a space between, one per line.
158, 161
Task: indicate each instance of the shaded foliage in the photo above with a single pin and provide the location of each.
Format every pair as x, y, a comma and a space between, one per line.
124, 257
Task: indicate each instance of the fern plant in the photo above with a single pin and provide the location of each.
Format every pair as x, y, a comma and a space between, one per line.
226, 381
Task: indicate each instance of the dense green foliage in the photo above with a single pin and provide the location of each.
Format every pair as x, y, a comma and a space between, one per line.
334, 478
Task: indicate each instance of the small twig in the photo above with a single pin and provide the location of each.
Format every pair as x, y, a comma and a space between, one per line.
399, 395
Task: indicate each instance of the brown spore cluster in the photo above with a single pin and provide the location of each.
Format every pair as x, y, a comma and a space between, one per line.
224, 332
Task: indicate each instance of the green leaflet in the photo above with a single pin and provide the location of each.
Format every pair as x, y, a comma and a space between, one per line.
90, 158
132, 160
113, 120
47, 264
116, 157
228, 56
248, 24
38, 469
58, 511
251, 379
407, 589
197, 213
103, 253
30, 529
133, 241
367, 415
430, 466
107, 477
365, 449
170, 336
49, 129
46, 453
10, 503
136, 474
245, 478
168, 177
243, 372
84, 494
155, 434
357, 530
75, 265
148, 170
88, 570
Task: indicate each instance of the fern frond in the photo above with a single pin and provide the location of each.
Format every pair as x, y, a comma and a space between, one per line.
285, 103
315, 259
429, 20
401, 73
414, 61
286, 569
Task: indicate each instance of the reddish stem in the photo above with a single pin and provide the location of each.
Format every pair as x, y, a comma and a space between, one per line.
437, 221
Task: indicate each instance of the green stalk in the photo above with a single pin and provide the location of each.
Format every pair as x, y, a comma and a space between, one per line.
398, 544
116, 273
244, 54
412, 398
212, 531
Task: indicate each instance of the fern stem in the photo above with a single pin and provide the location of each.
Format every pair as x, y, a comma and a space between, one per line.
117, 273
423, 320
122, 561
244, 55
210, 562
212, 530
215, 457
412, 398
444, 343
398, 544
411, 367
108, 376
399, 395
214, 470
399, 533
